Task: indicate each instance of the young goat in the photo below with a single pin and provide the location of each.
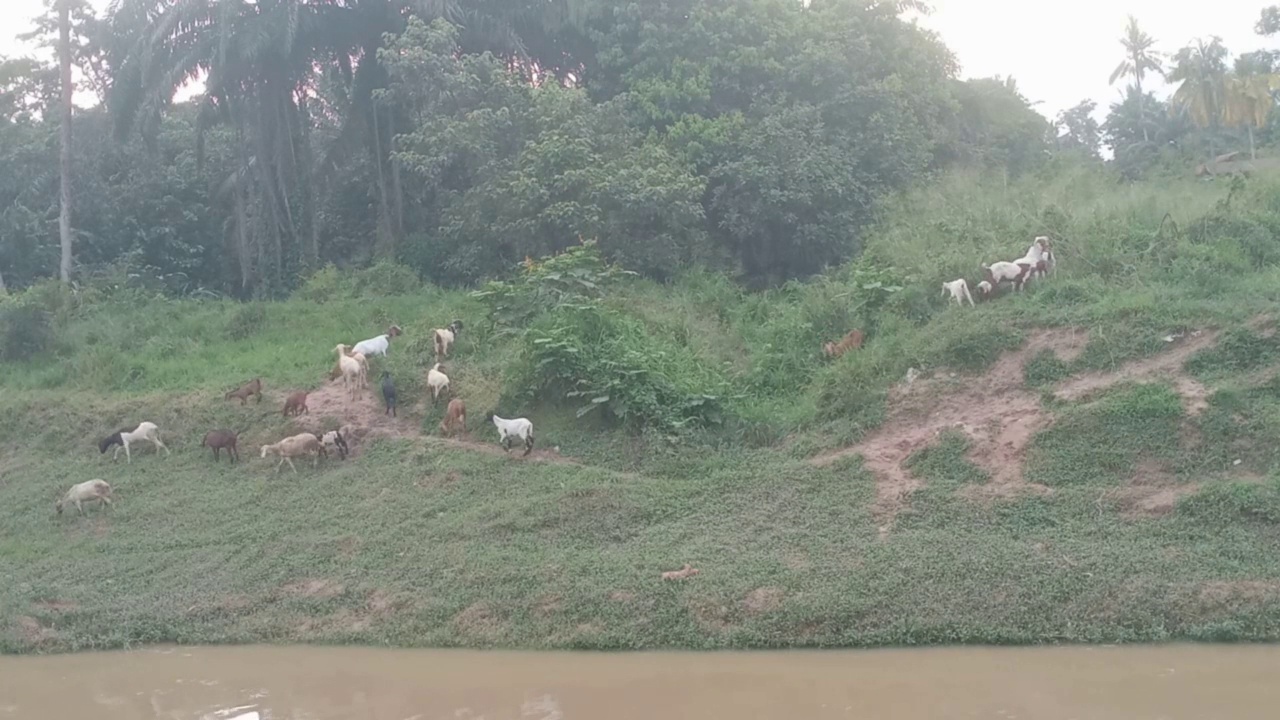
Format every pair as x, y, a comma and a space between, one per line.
851, 341
444, 338
296, 446
296, 404
454, 415
388, 394
959, 290
985, 289
437, 381
218, 440
334, 439
516, 428
249, 389
377, 345
124, 438
350, 371
85, 492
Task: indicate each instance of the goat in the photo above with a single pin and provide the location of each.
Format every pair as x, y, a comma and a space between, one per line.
985, 289
84, 492
334, 439
998, 272
217, 440
350, 371
388, 394
296, 404
124, 438
1039, 256
851, 341
437, 381
959, 290
377, 345
453, 415
444, 338
508, 430
295, 446
251, 388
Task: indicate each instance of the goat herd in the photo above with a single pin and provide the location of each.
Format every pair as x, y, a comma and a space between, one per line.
1037, 262
353, 368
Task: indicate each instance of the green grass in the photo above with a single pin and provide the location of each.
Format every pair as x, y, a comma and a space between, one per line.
419, 541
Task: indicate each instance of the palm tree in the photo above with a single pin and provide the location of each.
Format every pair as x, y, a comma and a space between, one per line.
1139, 59
64, 138
1201, 72
1249, 94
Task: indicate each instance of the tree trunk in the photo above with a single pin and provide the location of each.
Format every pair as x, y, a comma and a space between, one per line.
3, 291
1142, 106
64, 152
1253, 151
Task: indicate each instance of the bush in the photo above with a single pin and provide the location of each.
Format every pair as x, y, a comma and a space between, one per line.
246, 321
26, 330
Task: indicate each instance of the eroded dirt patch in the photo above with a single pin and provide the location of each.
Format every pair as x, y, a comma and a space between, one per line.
479, 621
1000, 416
314, 588
1154, 491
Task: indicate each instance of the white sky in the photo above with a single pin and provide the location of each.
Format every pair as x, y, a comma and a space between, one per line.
1060, 53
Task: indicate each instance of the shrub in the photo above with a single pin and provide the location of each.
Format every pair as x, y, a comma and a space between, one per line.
26, 330
246, 321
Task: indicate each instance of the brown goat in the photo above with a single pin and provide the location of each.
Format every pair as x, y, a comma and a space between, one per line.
251, 388
296, 404
852, 341
218, 440
454, 414
687, 571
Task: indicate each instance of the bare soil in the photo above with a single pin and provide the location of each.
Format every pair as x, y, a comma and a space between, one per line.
1000, 415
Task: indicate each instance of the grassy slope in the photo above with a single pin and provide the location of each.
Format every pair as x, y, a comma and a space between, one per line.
422, 542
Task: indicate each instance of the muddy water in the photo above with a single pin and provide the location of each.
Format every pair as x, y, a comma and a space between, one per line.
251, 683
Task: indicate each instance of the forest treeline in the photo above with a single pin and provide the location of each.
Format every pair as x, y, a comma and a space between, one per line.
459, 137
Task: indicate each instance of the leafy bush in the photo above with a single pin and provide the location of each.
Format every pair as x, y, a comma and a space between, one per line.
246, 321
602, 359
1046, 367
26, 330
382, 279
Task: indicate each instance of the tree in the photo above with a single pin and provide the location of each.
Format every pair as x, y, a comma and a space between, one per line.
1249, 98
1139, 59
1200, 71
995, 127
64, 138
1079, 130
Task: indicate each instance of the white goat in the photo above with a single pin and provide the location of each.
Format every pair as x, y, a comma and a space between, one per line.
444, 338
377, 345
959, 290
124, 438
350, 369
1039, 257
437, 381
509, 430
998, 272
295, 446
984, 288
364, 366
85, 492
333, 439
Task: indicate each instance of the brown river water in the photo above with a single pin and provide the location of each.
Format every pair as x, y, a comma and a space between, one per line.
320, 683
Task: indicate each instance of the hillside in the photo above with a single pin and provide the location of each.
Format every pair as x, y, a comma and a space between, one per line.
1089, 461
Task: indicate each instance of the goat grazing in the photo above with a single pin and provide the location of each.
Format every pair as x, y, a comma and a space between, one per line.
249, 389
959, 290
437, 381
444, 338
388, 394
509, 430
454, 415
124, 438
295, 446
296, 404
377, 345
350, 371
218, 440
851, 341
985, 289
84, 492
334, 439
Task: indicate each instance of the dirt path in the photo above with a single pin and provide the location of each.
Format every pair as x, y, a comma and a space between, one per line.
999, 415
